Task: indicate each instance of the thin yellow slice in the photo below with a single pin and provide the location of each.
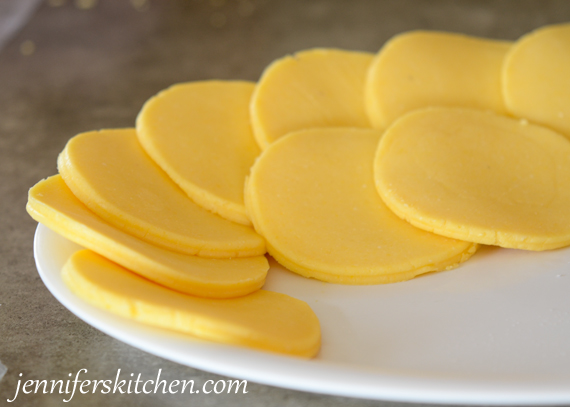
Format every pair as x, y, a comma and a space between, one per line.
477, 176
313, 88
200, 135
422, 68
536, 81
263, 320
111, 174
51, 202
311, 195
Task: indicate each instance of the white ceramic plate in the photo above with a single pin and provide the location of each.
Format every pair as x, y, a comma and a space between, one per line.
494, 331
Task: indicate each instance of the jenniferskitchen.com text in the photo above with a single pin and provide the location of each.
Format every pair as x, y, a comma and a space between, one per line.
132, 385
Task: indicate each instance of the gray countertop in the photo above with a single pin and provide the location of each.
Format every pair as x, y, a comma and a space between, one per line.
83, 65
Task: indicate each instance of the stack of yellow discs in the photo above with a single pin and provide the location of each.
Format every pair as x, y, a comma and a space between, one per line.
348, 167
477, 176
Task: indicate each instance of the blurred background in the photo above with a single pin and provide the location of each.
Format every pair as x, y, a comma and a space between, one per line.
68, 66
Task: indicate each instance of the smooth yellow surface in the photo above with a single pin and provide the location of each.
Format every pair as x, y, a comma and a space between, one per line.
199, 133
477, 176
422, 68
313, 88
263, 320
51, 202
110, 173
312, 196
536, 78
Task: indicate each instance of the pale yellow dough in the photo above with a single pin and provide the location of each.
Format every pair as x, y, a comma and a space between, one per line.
422, 68
263, 320
51, 202
311, 195
313, 88
112, 175
536, 78
477, 176
200, 135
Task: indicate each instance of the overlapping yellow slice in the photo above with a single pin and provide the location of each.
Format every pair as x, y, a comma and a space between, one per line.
262, 320
52, 203
536, 81
112, 175
312, 196
422, 68
200, 135
313, 88
477, 176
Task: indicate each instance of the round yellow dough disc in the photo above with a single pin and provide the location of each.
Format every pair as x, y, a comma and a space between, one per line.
477, 176
311, 195
112, 175
536, 78
200, 135
421, 68
314, 88
262, 320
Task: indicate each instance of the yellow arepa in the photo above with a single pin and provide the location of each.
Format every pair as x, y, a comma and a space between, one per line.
313, 88
263, 320
199, 133
477, 176
536, 78
312, 196
426, 68
112, 175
